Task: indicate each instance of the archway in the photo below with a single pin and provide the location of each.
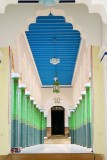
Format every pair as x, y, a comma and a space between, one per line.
57, 120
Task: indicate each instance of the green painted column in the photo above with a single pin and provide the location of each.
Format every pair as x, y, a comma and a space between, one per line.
45, 117
69, 121
77, 129
14, 111
82, 117
72, 126
85, 121
89, 117
35, 121
26, 120
27, 103
42, 128
79, 123
38, 126
19, 119
29, 122
22, 114
33, 127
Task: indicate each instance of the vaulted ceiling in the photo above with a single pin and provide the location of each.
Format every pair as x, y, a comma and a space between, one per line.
50, 36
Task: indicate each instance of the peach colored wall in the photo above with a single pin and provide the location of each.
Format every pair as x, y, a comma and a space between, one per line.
81, 73
24, 65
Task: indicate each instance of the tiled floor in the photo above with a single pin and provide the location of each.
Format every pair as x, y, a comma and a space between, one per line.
56, 148
57, 140
56, 144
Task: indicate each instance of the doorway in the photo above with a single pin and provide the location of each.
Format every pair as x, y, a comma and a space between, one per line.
57, 120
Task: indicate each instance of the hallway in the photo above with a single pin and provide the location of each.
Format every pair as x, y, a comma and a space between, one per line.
53, 79
56, 148
58, 139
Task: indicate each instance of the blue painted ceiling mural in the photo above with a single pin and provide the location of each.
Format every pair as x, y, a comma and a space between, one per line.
50, 36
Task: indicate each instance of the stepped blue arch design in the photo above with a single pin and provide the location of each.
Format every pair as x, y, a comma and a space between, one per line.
41, 37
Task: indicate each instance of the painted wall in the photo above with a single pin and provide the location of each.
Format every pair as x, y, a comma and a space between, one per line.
23, 63
82, 73
4, 102
98, 103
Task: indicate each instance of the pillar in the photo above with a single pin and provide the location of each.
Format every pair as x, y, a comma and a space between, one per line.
103, 57
27, 101
21, 115
99, 105
83, 93
5, 117
89, 116
14, 110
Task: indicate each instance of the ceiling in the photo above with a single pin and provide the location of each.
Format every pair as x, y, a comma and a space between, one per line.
50, 36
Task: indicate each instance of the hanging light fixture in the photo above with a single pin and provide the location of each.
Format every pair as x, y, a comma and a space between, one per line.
56, 86
54, 60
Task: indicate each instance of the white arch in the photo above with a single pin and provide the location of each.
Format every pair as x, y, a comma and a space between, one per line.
96, 6
5, 3
50, 103
31, 12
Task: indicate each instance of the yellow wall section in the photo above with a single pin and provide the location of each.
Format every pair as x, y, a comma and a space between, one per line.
98, 102
4, 103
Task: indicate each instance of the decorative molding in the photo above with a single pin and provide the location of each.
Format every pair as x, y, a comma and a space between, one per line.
22, 85
27, 93
72, 110
83, 92
32, 98
42, 110
15, 75
78, 103
80, 98
87, 85
34, 102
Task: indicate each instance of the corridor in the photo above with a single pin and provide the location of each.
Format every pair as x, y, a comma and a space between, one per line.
56, 148
53, 79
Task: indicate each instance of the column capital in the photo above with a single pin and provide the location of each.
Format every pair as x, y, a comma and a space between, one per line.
87, 85
34, 102
72, 110
42, 110
80, 98
15, 75
27, 93
32, 98
83, 93
45, 115
22, 85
